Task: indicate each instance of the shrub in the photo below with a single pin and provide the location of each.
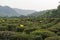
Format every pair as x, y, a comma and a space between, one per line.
43, 33
53, 38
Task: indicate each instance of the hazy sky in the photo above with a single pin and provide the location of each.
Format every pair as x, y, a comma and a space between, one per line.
31, 4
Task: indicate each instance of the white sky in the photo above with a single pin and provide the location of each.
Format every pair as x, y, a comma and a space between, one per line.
31, 4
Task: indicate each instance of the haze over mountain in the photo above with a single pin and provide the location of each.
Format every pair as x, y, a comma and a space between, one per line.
24, 12
36, 14
7, 11
53, 13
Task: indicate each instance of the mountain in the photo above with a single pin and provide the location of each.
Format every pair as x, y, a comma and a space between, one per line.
53, 13
6, 11
48, 14
36, 14
24, 12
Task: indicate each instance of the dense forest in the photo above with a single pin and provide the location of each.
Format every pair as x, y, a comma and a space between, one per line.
43, 27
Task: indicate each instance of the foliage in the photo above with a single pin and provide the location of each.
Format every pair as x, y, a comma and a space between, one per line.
45, 27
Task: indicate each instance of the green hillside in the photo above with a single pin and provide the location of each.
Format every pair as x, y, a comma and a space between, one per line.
44, 27
29, 29
54, 13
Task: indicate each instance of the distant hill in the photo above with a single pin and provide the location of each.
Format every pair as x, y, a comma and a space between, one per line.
53, 13
24, 12
36, 14
6, 11
49, 14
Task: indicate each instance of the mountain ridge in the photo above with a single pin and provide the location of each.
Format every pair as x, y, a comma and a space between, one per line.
6, 11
